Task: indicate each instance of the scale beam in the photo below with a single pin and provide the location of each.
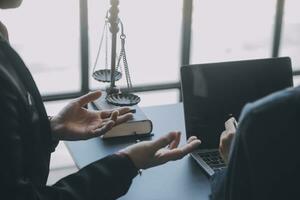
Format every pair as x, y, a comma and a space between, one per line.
114, 29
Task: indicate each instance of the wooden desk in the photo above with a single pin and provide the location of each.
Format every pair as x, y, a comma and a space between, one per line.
182, 180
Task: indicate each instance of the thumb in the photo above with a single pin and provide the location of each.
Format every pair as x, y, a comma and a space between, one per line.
91, 96
164, 140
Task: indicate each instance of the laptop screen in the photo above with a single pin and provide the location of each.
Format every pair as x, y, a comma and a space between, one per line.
212, 92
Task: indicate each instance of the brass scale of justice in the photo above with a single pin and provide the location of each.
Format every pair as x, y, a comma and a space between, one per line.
114, 95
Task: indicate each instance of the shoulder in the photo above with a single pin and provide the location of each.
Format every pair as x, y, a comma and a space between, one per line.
281, 101
272, 114
7, 80
271, 117
10, 82
12, 93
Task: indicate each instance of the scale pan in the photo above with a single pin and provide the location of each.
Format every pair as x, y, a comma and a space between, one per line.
123, 99
104, 75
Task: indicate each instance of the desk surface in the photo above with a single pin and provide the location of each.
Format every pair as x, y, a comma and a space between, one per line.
181, 179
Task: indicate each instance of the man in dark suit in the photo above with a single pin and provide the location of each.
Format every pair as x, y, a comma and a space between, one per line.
28, 136
263, 160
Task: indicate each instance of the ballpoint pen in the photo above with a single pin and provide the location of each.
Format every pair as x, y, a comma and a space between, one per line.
235, 123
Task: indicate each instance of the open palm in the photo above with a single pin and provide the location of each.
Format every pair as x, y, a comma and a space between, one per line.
148, 154
75, 122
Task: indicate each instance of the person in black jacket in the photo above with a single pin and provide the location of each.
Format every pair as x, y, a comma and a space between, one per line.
28, 136
263, 153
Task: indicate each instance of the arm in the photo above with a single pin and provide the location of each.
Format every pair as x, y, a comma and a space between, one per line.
75, 122
107, 178
117, 171
232, 150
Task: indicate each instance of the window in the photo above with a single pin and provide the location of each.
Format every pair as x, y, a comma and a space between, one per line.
161, 97
153, 31
231, 30
296, 80
48, 41
290, 43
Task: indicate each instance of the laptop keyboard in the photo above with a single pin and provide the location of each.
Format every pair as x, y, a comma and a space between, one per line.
213, 159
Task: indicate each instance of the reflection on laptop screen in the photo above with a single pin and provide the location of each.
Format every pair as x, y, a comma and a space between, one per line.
213, 91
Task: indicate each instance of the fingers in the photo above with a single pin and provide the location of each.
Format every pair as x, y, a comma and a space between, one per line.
107, 125
172, 139
120, 119
105, 114
104, 128
227, 133
91, 96
191, 139
226, 138
230, 124
225, 144
192, 144
122, 111
179, 153
123, 118
175, 142
164, 141
114, 115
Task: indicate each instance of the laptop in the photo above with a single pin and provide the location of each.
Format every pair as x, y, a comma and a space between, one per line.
212, 92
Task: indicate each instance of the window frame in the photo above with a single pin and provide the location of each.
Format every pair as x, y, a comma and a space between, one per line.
185, 50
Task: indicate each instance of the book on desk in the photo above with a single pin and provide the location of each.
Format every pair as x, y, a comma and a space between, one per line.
139, 125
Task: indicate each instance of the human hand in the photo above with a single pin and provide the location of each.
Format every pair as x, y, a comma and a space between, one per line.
152, 153
75, 122
226, 138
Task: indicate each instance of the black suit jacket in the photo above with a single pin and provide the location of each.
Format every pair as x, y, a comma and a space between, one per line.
264, 159
26, 145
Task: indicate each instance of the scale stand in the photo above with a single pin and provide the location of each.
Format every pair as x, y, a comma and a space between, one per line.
114, 95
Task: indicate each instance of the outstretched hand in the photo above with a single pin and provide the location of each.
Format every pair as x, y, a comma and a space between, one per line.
75, 122
152, 153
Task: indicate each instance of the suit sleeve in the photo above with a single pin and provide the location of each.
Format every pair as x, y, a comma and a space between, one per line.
108, 178
218, 185
233, 182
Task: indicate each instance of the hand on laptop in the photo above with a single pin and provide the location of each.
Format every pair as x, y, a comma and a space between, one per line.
152, 153
227, 137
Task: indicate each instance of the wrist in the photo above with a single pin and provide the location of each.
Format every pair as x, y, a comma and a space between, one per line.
55, 126
125, 155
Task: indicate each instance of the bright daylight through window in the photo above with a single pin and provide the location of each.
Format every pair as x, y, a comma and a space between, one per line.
48, 41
